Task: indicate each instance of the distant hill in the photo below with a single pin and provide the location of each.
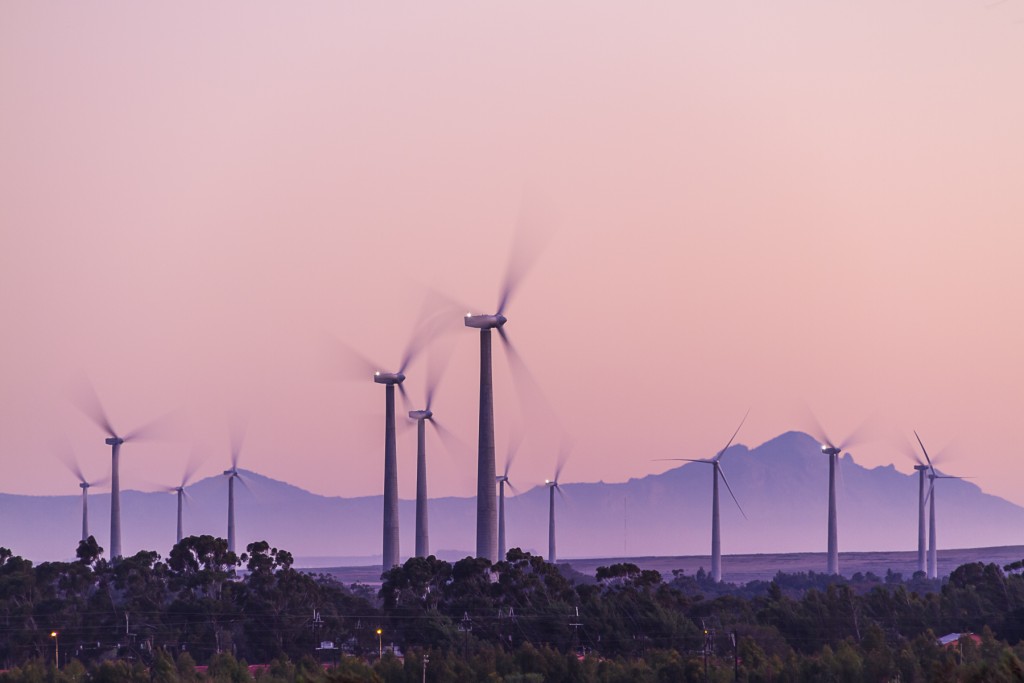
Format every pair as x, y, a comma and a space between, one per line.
781, 484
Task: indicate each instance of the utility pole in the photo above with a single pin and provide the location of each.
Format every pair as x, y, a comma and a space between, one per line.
575, 626
426, 659
735, 655
707, 647
466, 625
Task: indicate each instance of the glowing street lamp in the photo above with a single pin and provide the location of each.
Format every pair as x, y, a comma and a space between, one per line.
380, 644
56, 649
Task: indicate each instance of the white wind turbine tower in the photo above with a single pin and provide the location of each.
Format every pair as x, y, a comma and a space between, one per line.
504, 481
933, 555
69, 460
832, 450
921, 467
716, 534
525, 249
358, 367
553, 486
436, 364
89, 403
237, 438
181, 494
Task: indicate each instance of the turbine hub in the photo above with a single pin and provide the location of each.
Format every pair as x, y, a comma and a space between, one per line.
85, 485
421, 414
114, 441
830, 450
233, 472
485, 322
388, 377
501, 478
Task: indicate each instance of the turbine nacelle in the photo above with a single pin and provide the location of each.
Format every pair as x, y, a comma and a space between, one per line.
388, 377
501, 478
485, 322
921, 468
85, 485
830, 450
553, 484
114, 441
233, 472
421, 414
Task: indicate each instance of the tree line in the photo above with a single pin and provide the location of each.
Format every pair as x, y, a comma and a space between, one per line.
205, 613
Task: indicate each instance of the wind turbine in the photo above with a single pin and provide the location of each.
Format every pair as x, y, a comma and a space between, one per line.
503, 480
237, 439
426, 327
181, 493
933, 555
486, 512
89, 403
435, 369
922, 559
832, 450
716, 534
553, 486
72, 464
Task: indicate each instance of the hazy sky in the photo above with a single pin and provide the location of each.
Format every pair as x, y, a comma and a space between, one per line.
754, 205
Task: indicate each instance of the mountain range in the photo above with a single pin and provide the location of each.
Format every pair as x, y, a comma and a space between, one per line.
782, 486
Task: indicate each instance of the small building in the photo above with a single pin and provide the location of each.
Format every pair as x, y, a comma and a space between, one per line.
951, 640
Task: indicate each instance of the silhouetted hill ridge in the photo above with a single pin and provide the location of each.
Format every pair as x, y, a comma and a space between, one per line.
782, 485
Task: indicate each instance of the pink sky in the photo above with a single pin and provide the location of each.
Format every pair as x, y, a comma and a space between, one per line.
758, 205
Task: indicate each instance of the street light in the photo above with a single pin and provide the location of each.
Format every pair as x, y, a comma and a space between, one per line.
380, 645
56, 649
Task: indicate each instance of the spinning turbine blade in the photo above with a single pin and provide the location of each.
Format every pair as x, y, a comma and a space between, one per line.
563, 456
817, 431
532, 234
343, 362
86, 399
925, 451
729, 489
164, 427
66, 455
237, 436
515, 441
721, 452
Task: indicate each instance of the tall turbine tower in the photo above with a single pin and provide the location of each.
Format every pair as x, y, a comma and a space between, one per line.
933, 553
360, 367
181, 494
422, 531
833, 450
390, 550
237, 439
231, 474
179, 491
68, 457
89, 403
716, 534
922, 560
503, 481
523, 254
552, 485
436, 365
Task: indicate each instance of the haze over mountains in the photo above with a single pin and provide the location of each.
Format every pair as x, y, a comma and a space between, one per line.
781, 484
